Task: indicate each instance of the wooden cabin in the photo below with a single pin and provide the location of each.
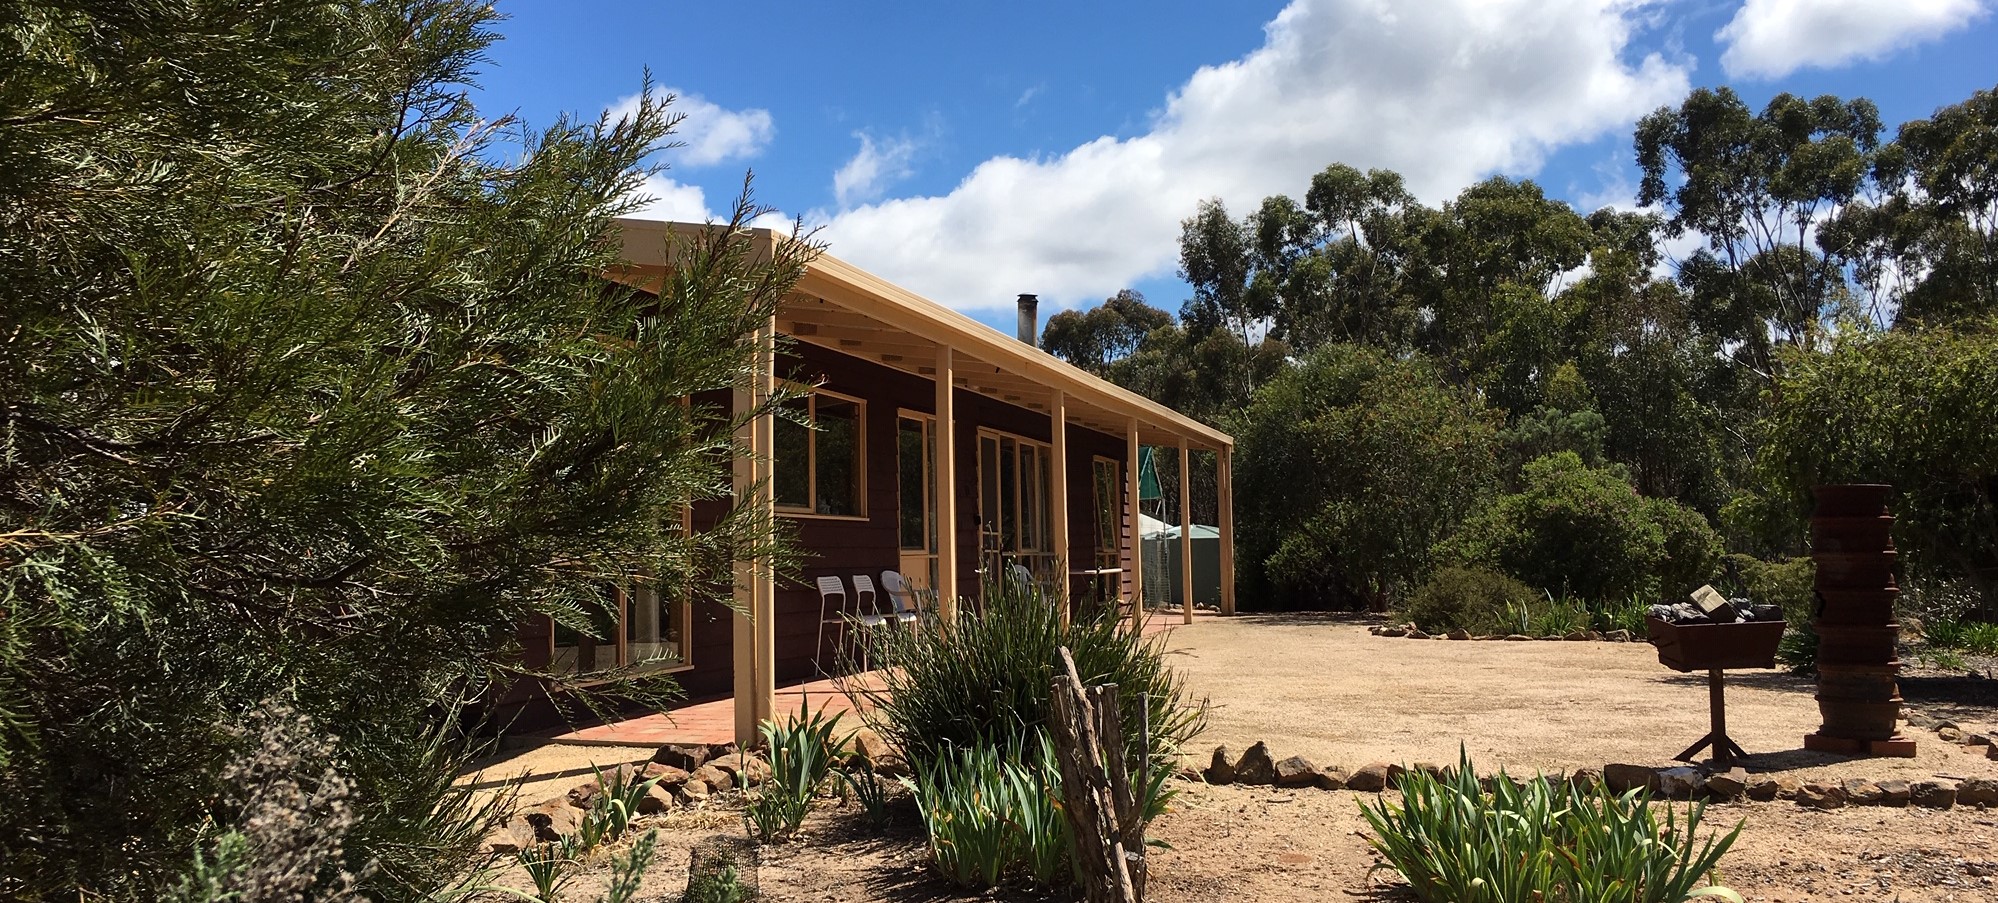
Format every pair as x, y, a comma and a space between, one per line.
945, 449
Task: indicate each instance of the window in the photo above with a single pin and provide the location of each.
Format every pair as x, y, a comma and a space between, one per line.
640, 627
817, 468
1109, 520
1013, 502
916, 452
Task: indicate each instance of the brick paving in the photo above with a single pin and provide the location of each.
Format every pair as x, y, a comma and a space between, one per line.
714, 721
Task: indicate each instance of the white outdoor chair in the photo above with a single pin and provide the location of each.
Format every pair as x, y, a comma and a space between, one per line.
829, 613
904, 601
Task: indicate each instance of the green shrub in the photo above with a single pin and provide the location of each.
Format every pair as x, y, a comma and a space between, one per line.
992, 814
1472, 598
1798, 650
984, 681
1581, 531
1788, 582
1541, 840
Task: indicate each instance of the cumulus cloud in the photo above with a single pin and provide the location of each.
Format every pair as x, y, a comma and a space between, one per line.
1773, 38
666, 199
712, 133
873, 168
1444, 92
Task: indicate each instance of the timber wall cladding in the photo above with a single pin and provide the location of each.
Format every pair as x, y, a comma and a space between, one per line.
843, 547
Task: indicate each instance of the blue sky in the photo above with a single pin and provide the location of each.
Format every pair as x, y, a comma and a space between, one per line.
975, 151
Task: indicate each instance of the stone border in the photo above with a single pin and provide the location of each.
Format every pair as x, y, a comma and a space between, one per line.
1952, 732
1411, 632
1257, 767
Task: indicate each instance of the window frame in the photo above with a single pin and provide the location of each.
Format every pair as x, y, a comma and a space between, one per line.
810, 395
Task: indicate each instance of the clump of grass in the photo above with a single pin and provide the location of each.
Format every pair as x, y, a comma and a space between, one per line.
992, 815
984, 681
1975, 637
802, 749
1541, 840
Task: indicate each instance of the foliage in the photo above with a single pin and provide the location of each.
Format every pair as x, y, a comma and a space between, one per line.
1540, 840
1471, 598
1969, 636
1916, 410
1350, 467
861, 783
1788, 582
985, 681
549, 866
1583, 531
1798, 650
723, 885
619, 793
1109, 331
803, 749
993, 813
628, 871
314, 391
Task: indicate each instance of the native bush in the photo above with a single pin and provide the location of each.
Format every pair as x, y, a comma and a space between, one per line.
1543, 839
985, 681
1352, 465
1583, 531
1471, 598
803, 749
314, 390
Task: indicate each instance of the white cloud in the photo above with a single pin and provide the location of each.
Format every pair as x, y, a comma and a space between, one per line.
666, 199
1443, 92
1773, 38
873, 169
712, 134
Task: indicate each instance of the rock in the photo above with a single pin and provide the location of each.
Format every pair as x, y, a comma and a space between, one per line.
1394, 774
658, 798
1187, 773
1555, 637
1372, 778
1393, 632
1586, 778
1488, 636
1991, 752
1979, 737
584, 795
509, 838
1918, 719
870, 748
1729, 785
1255, 766
1977, 792
1763, 789
693, 793
1787, 788
1932, 794
1220, 771
684, 756
1577, 635
1596, 635
1459, 634
1416, 635
1433, 770
1821, 796
1331, 777
1617, 636
1682, 783
1862, 792
1625, 778
1296, 771
1516, 637
716, 779
553, 820
1950, 734
1895, 793
667, 775
745, 769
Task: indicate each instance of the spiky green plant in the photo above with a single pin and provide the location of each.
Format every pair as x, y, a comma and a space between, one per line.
1541, 840
991, 813
984, 681
803, 749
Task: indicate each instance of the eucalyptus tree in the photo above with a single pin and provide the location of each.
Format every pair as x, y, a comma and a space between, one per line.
313, 390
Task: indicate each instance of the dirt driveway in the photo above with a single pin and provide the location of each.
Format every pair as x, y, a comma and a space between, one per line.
1322, 687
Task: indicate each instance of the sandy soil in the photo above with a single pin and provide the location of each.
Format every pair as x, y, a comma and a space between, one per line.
1322, 687
1325, 688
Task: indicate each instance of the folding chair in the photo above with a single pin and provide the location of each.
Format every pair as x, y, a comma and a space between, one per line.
829, 589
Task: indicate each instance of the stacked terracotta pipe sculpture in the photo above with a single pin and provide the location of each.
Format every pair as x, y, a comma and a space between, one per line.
1857, 694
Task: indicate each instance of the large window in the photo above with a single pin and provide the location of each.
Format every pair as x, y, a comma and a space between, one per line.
819, 459
1013, 503
915, 474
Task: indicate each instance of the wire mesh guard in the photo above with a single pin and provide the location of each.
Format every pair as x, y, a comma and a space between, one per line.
722, 869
